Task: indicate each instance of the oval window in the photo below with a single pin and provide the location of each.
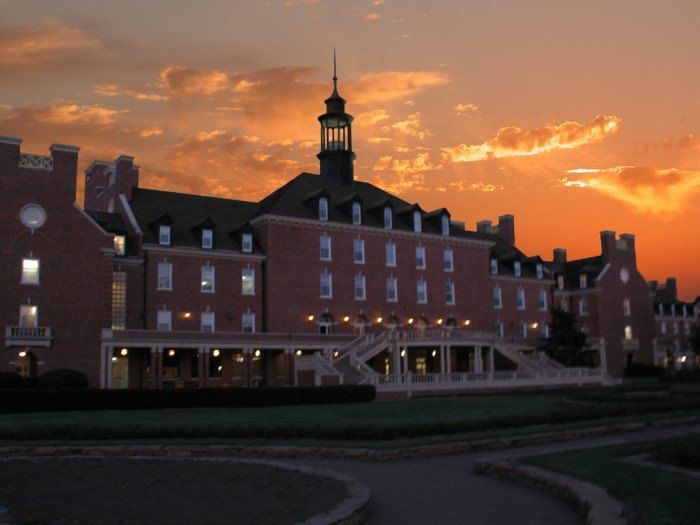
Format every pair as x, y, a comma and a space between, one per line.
33, 216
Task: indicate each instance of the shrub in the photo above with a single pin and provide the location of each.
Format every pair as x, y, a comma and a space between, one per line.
65, 399
640, 370
62, 378
12, 380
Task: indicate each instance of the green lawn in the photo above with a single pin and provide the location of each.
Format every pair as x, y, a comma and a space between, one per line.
655, 496
419, 421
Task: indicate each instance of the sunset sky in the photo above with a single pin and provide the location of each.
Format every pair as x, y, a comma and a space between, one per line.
574, 116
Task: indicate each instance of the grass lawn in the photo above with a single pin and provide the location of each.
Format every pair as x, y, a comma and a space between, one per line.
400, 423
655, 496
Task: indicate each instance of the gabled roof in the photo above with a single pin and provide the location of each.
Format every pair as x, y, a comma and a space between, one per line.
109, 222
571, 270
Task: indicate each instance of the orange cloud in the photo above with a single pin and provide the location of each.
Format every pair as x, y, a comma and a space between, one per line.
513, 141
370, 118
661, 192
147, 133
67, 114
373, 16
392, 85
186, 82
112, 90
409, 127
466, 108
417, 164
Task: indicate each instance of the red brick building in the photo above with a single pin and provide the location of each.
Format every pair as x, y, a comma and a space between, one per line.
328, 279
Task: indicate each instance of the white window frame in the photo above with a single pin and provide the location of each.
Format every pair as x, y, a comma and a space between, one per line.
520, 299
360, 284
165, 269
30, 275
450, 293
540, 271
420, 258
207, 316
120, 244
445, 225
164, 235
544, 330
390, 254
248, 272
207, 238
322, 209
329, 283
523, 329
421, 288
543, 303
388, 218
327, 240
417, 222
517, 268
22, 316
392, 290
203, 275
358, 249
162, 317
247, 242
560, 282
628, 333
664, 328
583, 281
497, 294
356, 213
248, 319
500, 331
583, 306
448, 260
494, 266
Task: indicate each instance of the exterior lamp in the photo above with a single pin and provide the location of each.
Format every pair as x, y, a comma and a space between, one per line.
114, 358
257, 353
310, 318
410, 321
534, 325
439, 321
298, 352
380, 319
23, 353
434, 353
171, 352
216, 352
124, 352
336, 353
187, 315
467, 322
346, 318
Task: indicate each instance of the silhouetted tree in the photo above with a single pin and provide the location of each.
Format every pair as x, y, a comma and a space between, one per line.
566, 342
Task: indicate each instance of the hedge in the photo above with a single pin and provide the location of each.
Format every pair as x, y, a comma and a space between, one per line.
641, 370
19, 400
62, 378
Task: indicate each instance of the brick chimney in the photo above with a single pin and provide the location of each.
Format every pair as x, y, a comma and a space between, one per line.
559, 255
506, 228
672, 286
607, 245
483, 226
9, 152
65, 162
628, 239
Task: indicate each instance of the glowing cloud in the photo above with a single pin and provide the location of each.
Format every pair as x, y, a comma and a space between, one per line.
113, 90
393, 85
68, 114
370, 118
513, 141
466, 108
185, 81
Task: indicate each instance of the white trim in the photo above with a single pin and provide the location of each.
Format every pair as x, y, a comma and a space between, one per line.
605, 269
15, 141
199, 252
501, 277
64, 147
129, 213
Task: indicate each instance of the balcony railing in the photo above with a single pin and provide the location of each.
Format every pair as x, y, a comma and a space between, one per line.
28, 336
38, 162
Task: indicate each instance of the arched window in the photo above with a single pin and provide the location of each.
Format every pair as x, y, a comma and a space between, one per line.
359, 324
417, 224
445, 225
388, 218
356, 213
323, 209
325, 324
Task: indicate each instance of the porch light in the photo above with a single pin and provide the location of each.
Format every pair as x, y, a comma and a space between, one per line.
434, 353
336, 353
124, 351
380, 319
220, 368
257, 353
187, 315
682, 359
410, 321
298, 352
534, 325
216, 352
403, 353
23, 353
467, 322
346, 318
310, 318
171, 352
439, 321
114, 358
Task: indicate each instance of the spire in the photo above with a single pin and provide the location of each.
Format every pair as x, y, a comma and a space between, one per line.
335, 76
335, 103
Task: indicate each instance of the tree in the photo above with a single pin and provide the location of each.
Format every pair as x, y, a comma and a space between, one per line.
566, 342
695, 339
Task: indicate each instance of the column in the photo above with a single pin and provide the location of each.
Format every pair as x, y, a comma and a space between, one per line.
103, 366
159, 367
396, 360
478, 360
152, 376
247, 367
405, 359
442, 359
201, 351
492, 366
109, 352
448, 359
289, 362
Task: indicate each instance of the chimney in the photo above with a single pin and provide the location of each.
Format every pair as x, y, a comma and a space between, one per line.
65, 162
9, 152
607, 245
506, 228
483, 226
672, 287
559, 255
127, 175
628, 239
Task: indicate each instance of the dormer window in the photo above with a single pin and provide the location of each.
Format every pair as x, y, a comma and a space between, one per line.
120, 244
417, 223
661, 309
356, 213
583, 281
685, 310
494, 267
322, 209
560, 282
247, 242
540, 271
673, 309
164, 235
445, 225
207, 239
388, 218
517, 269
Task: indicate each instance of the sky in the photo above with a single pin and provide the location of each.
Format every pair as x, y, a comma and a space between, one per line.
576, 117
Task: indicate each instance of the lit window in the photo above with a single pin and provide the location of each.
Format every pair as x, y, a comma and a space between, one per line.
499, 329
497, 297
28, 316
208, 279
449, 260
390, 254
560, 282
164, 235
445, 225
247, 242
523, 329
544, 330
391, 290
248, 281
207, 239
323, 209
422, 291
120, 244
359, 252
325, 248
520, 299
494, 267
356, 213
540, 271
165, 320
517, 269
30, 271
248, 323
388, 218
207, 323
417, 223
165, 276
360, 290
583, 306
627, 307
543, 300
449, 293
628, 333
583, 281
119, 301
326, 286
420, 257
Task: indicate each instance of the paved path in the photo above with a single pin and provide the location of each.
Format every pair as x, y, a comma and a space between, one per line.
445, 490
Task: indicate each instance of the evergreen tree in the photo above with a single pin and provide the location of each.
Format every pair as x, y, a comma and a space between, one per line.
566, 342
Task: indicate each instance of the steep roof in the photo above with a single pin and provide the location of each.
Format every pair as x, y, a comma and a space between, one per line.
109, 222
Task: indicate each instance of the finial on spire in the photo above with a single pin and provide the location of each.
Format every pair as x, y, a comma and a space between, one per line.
335, 77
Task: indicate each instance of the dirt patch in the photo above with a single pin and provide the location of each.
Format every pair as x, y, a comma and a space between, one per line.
135, 490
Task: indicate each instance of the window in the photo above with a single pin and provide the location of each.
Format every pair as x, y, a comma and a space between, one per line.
165, 276
325, 324
523, 329
494, 267
247, 242
323, 209
165, 320
449, 293
390, 254
417, 224
326, 285
359, 252
325, 248
685, 310
560, 282
499, 329
517, 269
626, 307
119, 301
391, 290
208, 279
520, 299
583, 306
686, 328
420, 257
28, 316
663, 327
543, 299
248, 323
445, 223
30, 271
544, 330
540, 271
583, 281
360, 291
207, 321
497, 297
661, 309
248, 281
120, 244
673, 309
675, 327
388, 218
110, 206
207, 239
449, 261
628, 333
356, 213
164, 235
422, 291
